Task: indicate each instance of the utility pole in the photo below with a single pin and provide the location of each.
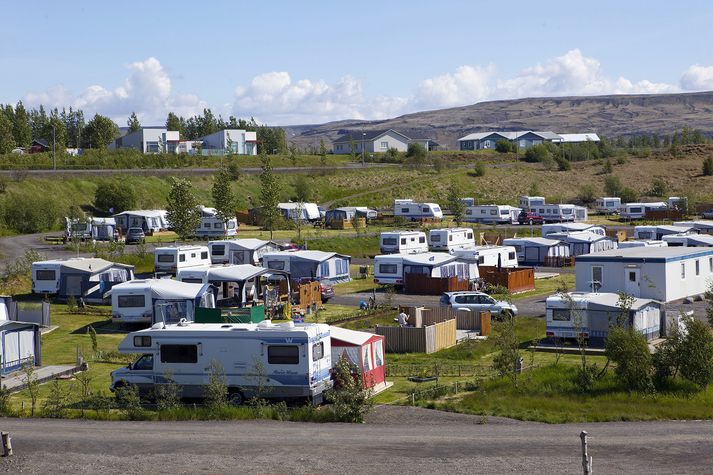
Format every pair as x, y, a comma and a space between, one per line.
363, 145
586, 459
54, 147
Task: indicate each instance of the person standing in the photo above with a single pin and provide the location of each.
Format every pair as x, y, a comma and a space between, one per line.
403, 319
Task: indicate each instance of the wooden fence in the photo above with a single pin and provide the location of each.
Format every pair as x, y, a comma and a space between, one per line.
422, 284
558, 261
664, 214
515, 279
619, 235
473, 321
347, 223
419, 339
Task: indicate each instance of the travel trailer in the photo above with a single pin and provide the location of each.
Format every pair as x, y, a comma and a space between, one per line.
299, 211
392, 268
658, 232
212, 226
150, 221
608, 205
529, 202
403, 242
97, 229
294, 361
638, 210
80, 277
413, 211
347, 213
554, 228
170, 260
449, 239
504, 256
491, 214
323, 266
538, 251
557, 213
240, 251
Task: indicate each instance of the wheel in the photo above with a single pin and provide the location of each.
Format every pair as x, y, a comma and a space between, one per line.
236, 398
506, 314
531, 222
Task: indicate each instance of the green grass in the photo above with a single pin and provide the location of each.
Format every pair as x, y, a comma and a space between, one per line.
354, 246
548, 286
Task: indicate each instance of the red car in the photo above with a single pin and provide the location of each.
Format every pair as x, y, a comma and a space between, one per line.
528, 217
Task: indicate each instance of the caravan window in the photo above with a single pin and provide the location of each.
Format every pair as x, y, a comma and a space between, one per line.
283, 354
182, 258
561, 315
470, 235
231, 224
165, 258
219, 250
389, 241
206, 225
276, 265
435, 238
422, 239
45, 275
511, 256
131, 301
318, 351
142, 341
324, 269
179, 353
388, 268
217, 225
493, 212
425, 209
597, 275
204, 255
404, 210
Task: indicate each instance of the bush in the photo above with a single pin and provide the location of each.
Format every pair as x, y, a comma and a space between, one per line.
607, 168
350, 401
708, 166
113, 197
612, 185
587, 195
630, 351
503, 146
56, 402
538, 153
563, 164
31, 214
216, 391
416, 154
659, 187
628, 195
478, 169
129, 402
168, 394
697, 353
392, 155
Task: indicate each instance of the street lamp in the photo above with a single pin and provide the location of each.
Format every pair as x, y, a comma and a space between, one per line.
363, 145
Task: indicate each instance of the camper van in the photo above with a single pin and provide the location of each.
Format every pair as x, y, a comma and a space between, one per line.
413, 211
212, 226
638, 210
295, 359
170, 259
529, 202
505, 256
449, 239
240, 251
403, 242
492, 214
608, 205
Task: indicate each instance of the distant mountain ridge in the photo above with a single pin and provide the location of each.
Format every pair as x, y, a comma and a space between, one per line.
609, 116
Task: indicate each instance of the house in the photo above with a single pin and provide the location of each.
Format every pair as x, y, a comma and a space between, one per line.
523, 139
377, 141
364, 351
585, 242
236, 141
593, 314
79, 277
39, 146
149, 140
240, 251
666, 273
20, 344
537, 251
312, 265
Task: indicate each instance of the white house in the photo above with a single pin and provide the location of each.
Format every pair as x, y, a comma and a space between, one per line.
661, 273
149, 140
237, 141
372, 141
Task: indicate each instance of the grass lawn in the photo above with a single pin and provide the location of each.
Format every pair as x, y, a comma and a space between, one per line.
548, 286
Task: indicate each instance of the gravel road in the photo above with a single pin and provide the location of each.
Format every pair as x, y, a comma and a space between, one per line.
396, 440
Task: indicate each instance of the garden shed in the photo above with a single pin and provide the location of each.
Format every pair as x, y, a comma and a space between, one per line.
364, 351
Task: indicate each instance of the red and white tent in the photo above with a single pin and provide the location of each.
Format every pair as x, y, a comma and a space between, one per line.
363, 350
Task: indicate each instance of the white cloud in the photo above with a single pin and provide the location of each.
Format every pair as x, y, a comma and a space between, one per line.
697, 78
468, 84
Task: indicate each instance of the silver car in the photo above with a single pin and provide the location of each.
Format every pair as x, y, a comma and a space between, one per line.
478, 302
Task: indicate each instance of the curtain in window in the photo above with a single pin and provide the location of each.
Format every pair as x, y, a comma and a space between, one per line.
378, 354
366, 357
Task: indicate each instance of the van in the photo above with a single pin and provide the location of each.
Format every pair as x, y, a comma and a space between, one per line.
448, 239
170, 259
403, 242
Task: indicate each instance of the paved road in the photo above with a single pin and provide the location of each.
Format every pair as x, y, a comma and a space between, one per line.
408, 441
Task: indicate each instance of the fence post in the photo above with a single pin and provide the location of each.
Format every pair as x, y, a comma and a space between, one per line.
413, 399
6, 444
456, 387
586, 459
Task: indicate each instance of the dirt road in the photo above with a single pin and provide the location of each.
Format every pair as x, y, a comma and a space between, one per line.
398, 440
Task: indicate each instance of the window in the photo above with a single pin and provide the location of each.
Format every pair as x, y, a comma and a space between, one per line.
231, 224
384, 145
217, 225
511, 256
422, 239
389, 241
646, 235
206, 225
404, 210
710, 263
494, 212
218, 250
683, 270
469, 212
403, 241
425, 209
470, 236
318, 351
179, 353
142, 341
481, 260
276, 265
324, 269
145, 363
131, 301
483, 211
388, 268
181, 258
632, 276
450, 238
152, 147
698, 267
437, 209
435, 238
193, 255
561, 315
283, 354
45, 275
204, 255
164, 258
597, 274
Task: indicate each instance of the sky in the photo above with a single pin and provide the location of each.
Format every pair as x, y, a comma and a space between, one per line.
305, 62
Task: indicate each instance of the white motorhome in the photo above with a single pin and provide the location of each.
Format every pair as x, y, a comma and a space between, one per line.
212, 226
608, 205
658, 232
554, 228
403, 242
240, 251
448, 239
491, 214
158, 300
489, 255
638, 210
413, 211
295, 359
557, 213
529, 202
171, 259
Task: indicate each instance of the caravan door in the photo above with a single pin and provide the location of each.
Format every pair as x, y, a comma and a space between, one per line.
532, 254
632, 281
240, 257
74, 286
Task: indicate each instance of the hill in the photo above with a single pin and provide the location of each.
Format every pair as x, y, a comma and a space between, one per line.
609, 116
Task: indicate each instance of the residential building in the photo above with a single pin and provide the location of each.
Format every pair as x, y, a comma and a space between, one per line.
377, 141
523, 138
237, 141
149, 140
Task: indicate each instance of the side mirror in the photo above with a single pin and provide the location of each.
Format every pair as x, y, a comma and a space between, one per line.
131, 366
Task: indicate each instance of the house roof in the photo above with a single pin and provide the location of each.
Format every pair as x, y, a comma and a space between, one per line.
41, 142
352, 337
92, 265
649, 254
369, 135
511, 135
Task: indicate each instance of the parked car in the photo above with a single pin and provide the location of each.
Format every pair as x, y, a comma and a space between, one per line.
477, 302
708, 214
528, 217
326, 291
135, 236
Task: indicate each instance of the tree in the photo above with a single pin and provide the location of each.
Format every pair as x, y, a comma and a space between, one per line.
612, 185
587, 195
216, 391
659, 187
630, 351
114, 197
322, 153
58, 135
392, 155
173, 122
32, 385
133, 123
538, 153
607, 168
293, 155
708, 166
7, 139
223, 198
507, 359
628, 195
303, 192
269, 193
22, 129
455, 203
416, 154
100, 132
182, 208
697, 353
351, 402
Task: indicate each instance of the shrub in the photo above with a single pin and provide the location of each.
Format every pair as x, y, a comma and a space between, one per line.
607, 168
478, 169
127, 397
659, 187
31, 214
56, 402
350, 401
612, 185
538, 153
392, 155
563, 164
216, 391
697, 353
708, 166
503, 146
114, 197
416, 154
587, 194
629, 350
628, 195
168, 394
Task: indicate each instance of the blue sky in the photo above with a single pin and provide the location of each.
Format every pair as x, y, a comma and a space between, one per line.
305, 62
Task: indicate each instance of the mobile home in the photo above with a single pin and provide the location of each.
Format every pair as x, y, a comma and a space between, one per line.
413, 211
171, 259
403, 242
299, 211
537, 251
503, 256
158, 300
449, 239
150, 221
666, 274
585, 242
689, 240
491, 214
213, 226
240, 251
314, 265
554, 228
608, 205
592, 314
529, 202
82, 278
658, 232
639, 210
296, 359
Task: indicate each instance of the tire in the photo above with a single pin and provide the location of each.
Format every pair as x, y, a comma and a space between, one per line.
236, 398
531, 223
505, 314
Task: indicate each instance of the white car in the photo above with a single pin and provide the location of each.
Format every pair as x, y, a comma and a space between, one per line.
477, 302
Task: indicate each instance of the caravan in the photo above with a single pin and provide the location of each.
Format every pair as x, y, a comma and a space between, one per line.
299, 211
392, 268
150, 221
608, 205
212, 226
492, 214
403, 242
504, 256
554, 228
529, 202
80, 277
240, 251
658, 232
295, 359
413, 211
639, 210
558, 213
449, 239
171, 259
